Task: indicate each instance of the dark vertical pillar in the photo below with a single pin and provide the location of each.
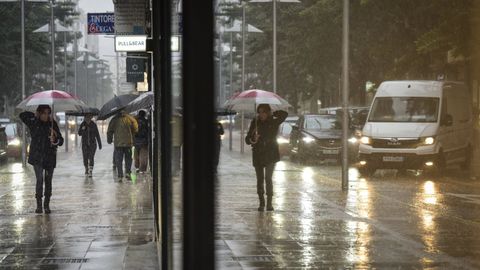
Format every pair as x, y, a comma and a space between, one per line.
163, 114
198, 101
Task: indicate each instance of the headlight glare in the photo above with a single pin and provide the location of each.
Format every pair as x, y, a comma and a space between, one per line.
308, 139
365, 140
14, 142
429, 140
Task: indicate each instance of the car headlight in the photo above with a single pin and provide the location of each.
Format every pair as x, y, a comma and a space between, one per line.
14, 142
281, 140
308, 139
365, 140
352, 140
429, 140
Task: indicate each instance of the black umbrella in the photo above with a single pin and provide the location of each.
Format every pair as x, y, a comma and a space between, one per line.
144, 101
115, 105
89, 110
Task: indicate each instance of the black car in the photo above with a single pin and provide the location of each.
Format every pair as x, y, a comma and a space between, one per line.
319, 137
3, 145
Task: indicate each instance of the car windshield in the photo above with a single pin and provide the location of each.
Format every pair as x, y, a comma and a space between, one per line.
405, 109
10, 130
322, 122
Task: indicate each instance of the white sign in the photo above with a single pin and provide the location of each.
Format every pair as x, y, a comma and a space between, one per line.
130, 43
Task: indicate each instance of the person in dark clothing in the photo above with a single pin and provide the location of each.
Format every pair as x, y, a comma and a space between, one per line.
141, 142
219, 131
90, 137
262, 136
45, 138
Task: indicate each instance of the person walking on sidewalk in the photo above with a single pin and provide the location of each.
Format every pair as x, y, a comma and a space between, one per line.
142, 139
262, 136
90, 137
219, 131
121, 132
45, 138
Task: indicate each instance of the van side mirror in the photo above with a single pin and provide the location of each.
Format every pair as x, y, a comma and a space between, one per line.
447, 120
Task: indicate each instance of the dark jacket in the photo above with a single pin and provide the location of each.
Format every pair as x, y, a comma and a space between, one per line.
143, 134
42, 152
90, 134
265, 151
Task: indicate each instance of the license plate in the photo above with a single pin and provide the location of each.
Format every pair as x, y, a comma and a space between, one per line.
393, 159
330, 152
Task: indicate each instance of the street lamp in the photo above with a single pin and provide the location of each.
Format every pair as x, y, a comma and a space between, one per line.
275, 34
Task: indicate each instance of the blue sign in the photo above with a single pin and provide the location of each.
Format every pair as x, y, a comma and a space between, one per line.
101, 23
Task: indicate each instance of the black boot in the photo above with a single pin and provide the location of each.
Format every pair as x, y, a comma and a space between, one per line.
39, 209
46, 205
269, 203
261, 207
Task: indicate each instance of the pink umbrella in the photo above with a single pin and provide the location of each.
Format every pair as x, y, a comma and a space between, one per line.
59, 101
250, 99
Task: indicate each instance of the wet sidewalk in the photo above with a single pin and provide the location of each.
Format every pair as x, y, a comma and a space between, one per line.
96, 223
383, 222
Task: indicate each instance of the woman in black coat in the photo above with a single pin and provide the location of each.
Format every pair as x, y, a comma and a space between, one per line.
88, 130
262, 136
45, 138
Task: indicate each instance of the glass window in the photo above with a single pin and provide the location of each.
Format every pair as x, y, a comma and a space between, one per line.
10, 130
405, 109
324, 122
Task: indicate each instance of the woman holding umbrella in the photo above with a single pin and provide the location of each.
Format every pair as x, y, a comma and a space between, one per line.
262, 136
46, 137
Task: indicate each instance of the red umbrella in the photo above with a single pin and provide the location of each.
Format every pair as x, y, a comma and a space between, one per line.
59, 101
248, 101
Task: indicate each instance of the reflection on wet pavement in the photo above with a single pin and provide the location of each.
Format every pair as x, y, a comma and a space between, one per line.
96, 223
386, 221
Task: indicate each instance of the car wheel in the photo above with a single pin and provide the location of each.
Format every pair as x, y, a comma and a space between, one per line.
440, 167
468, 159
367, 171
301, 156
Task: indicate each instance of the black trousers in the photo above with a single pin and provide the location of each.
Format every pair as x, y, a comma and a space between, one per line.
120, 154
43, 175
264, 179
88, 152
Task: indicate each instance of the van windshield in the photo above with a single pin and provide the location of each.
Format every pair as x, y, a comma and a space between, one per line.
405, 109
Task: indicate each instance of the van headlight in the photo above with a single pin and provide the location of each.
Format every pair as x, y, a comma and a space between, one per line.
308, 139
429, 140
281, 140
365, 140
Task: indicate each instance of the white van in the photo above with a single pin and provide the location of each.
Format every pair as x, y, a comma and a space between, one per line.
424, 125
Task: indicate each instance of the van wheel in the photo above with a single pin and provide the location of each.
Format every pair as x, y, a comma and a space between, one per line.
440, 167
468, 159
